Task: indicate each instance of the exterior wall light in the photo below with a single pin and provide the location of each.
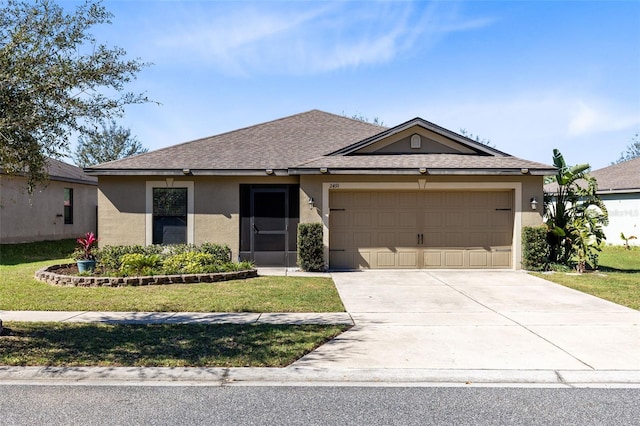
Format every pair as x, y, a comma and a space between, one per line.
186, 171
524, 171
269, 171
323, 170
423, 170
534, 203
311, 203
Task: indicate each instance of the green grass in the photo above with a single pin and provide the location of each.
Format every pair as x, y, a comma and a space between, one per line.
166, 345
14, 254
619, 259
618, 278
183, 345
19, 290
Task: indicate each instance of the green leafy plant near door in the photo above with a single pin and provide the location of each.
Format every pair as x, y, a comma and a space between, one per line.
575, 216
310, 247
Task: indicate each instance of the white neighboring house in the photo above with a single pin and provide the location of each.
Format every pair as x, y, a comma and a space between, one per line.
619, 188
65, 208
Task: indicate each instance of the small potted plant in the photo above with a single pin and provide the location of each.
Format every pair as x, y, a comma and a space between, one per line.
84, 253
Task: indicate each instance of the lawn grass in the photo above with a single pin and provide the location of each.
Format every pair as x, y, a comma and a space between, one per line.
620, 259
160, 345
618, 278
14, 254
19, 290
157, 345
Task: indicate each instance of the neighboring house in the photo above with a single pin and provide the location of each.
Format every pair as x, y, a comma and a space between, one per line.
411, 196
619, 188
64, 208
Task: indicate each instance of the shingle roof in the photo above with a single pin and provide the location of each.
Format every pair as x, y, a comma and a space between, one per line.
620, 177
301, 143
277, 144
61, 171
432, 162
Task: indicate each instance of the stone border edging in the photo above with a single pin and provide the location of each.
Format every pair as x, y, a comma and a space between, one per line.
49, 276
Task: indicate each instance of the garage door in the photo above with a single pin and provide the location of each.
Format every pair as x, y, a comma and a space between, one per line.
420, 229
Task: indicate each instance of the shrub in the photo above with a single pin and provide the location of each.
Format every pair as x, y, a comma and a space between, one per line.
181, 258
221, 252
310, 247
535, 248
190, 263
237, 266
139, 264
558, 267
110, 257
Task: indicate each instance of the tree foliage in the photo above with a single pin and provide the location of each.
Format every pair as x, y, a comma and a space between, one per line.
55, 80
476, 138
575, 216
632, 151
358, 116
112, 143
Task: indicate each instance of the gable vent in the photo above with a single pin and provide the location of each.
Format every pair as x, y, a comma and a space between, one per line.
416, 141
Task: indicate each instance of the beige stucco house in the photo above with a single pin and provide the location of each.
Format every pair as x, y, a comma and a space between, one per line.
412, 196
65, 208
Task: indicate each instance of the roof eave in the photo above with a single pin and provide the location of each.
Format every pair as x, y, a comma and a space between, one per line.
187, 172
618, 191
416, 171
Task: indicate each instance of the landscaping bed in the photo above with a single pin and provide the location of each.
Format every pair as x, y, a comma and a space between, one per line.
67, 275
19, 290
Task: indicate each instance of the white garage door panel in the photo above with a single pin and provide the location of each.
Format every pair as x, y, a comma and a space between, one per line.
421, 229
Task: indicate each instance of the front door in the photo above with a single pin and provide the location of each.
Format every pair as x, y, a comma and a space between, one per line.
269, 208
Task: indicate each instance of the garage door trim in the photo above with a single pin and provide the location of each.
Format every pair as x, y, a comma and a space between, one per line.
422, 184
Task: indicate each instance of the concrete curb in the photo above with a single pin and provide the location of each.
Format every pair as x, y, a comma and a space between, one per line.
296, 376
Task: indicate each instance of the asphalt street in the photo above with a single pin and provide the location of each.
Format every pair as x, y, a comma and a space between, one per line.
263, 405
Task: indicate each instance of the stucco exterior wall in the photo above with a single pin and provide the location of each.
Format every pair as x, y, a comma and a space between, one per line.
121, 210
40, 216
216, 212
624, 216
217, 208
216, 216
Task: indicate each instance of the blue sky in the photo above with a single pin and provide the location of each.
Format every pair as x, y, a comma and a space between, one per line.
529, 76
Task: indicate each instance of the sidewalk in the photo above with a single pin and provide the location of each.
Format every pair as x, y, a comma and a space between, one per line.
179, 317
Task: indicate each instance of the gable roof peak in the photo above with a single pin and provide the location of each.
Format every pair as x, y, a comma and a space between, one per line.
467, 142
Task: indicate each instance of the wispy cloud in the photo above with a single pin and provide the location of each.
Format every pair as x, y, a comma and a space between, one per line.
307, 38
593, 117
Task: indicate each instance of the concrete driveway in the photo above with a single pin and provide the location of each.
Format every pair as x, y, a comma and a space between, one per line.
476, 320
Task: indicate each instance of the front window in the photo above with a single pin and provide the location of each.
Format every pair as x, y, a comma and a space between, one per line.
169, 215
68, 206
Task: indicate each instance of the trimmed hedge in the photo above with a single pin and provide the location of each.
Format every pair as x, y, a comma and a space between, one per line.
535, 248
310, 247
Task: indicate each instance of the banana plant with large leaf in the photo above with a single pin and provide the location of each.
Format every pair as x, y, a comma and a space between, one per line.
575, 215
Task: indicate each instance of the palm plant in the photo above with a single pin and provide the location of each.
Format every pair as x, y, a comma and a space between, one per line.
575, 215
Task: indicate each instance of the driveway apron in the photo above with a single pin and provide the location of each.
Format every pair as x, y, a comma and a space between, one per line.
476, 320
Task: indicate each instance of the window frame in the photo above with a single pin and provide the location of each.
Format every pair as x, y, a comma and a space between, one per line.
68, 208
168, 183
